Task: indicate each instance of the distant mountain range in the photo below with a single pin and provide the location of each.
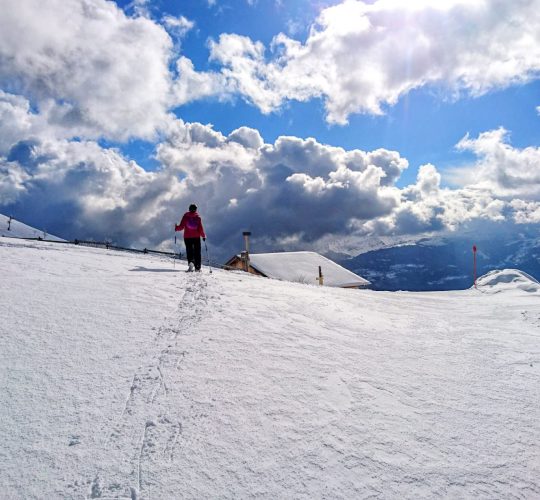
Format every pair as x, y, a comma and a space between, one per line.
446, 263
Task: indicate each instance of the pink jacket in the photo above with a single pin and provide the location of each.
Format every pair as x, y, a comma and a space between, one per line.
191, 224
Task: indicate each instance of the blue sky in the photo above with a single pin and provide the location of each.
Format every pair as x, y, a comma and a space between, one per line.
317, 124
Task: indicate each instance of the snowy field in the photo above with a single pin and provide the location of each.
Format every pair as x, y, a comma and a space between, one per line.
123, 377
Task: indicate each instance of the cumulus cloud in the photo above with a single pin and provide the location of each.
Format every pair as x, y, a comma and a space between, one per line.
501, 169
238, 180
93, 72
425, 207
139, 7
19, 119
526, 212
293, 194
87, 65
73, 72
361, 56
192, 85
281, 186
180, 26
12, 182
247, 137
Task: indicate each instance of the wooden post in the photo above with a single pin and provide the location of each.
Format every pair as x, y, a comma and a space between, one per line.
320, 279
474, 264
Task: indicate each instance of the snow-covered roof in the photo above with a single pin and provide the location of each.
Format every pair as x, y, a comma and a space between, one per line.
304, 267
19, 230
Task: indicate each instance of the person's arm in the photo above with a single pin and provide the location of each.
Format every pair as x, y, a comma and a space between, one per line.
182, 225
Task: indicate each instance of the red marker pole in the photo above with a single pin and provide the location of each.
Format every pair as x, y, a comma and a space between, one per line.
474, 263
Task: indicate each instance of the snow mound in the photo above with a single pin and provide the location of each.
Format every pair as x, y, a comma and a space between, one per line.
508, 279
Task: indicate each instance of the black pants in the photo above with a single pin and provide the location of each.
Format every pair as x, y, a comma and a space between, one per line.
193, 251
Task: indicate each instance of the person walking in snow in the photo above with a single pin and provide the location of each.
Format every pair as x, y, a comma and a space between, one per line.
192, 226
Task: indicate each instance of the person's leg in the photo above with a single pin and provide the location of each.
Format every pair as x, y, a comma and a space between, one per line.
197, 252
189, 249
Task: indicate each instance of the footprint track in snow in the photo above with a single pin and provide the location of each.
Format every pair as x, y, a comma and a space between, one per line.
149, 426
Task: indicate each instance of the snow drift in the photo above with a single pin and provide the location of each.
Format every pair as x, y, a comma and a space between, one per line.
507, 280
121, 376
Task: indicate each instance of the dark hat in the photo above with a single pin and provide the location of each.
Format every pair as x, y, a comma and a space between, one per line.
193, 207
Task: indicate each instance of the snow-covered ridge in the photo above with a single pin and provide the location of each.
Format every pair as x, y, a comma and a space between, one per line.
137, 380
13, 228
507, 280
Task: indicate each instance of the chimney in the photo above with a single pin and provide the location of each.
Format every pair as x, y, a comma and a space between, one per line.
245, 253
246, 235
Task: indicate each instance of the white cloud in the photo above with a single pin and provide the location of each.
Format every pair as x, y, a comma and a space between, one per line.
16, 120
245, 66
501, 169
92, 71
192, 85
86, 70
88, 65
12, 182
526, 212
425, 207
180, 26
247, 137
294, 27
295, 190
140, 7
360, 56
237, 179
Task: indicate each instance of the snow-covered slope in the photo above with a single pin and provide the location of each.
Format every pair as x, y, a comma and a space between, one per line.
122, 377
15, 229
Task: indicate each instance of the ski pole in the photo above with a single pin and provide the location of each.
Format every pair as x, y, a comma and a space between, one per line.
208, 256
174, 253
